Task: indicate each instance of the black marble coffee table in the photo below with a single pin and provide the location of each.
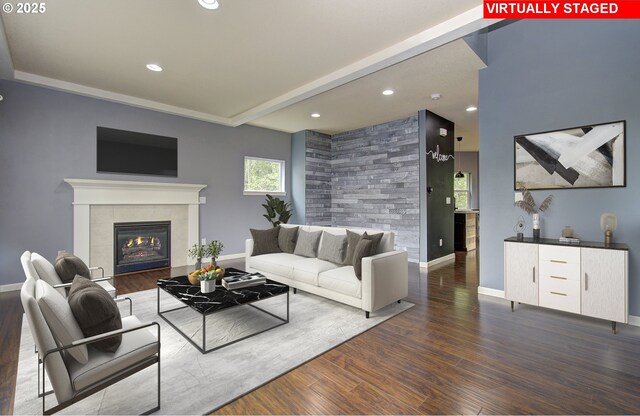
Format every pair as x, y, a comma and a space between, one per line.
221, 299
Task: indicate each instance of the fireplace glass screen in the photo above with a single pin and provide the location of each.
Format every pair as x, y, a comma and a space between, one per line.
141, 246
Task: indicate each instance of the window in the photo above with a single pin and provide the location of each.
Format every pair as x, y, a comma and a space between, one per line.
462, 191
262, 176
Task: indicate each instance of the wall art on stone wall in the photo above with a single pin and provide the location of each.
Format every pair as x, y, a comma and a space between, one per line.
581, 157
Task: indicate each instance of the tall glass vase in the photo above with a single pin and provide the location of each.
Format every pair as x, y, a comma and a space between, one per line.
535, 219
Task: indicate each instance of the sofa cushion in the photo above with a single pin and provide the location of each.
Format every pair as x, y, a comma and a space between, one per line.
306, 270
307, 244
363, 249
341, 280
47, 272
352, 241
60, 319
96, 312
67, 266
287, 239
275, 263
135, 346
265, 241
333, 248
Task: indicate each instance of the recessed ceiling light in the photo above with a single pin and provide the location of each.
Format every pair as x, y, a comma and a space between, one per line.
387, 92
209, 4
154, 67
436, 96
472, 108
315, 115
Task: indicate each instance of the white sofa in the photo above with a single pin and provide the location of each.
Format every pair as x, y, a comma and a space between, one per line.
384, 275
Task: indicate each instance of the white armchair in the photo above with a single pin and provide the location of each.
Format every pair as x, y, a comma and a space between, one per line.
74, 379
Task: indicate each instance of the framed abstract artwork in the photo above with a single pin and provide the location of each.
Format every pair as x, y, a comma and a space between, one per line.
590, 156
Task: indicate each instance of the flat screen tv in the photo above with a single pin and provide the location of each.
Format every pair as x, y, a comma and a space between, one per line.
121, 151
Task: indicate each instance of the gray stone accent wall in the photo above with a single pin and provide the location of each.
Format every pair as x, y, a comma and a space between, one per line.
374, 175
318, 178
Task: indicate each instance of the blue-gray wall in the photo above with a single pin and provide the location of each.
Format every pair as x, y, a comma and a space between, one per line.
46, 136
298, 177
547, 75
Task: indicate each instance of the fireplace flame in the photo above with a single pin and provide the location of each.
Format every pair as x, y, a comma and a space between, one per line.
129, 243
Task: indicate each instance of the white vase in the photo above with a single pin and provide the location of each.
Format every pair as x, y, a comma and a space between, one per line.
535, 218
207, 286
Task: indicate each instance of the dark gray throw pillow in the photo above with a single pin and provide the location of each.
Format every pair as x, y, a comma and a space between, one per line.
352, 242
333, 248
307, 244
68, 266
287, 239
363, 249
265, 241
375, 241
96, 312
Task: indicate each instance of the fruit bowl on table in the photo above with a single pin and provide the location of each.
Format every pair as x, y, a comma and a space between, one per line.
195, 276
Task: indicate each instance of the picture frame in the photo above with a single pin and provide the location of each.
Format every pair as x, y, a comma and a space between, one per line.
590, 156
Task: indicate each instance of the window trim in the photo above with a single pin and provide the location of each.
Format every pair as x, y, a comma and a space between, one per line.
465, 191
283, 164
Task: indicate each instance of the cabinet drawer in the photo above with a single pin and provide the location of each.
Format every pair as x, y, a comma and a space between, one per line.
560, 294
570, 271
559, 254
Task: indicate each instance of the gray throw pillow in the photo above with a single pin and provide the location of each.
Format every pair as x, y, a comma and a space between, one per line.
68, 266
352, 242
307, 244
363, 249
333, 248
287, 239
96, 312
265, 241
375, 241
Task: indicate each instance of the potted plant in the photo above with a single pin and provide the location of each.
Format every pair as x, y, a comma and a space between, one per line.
208, 281
213, 250
197, 251
528, 205
278, 211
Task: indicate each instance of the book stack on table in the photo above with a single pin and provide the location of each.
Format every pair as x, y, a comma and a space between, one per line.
239, 281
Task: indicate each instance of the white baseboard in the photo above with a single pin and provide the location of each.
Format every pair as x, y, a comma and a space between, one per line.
491, 292
439, 260
634, 320
10, 287
205, 261
231, 256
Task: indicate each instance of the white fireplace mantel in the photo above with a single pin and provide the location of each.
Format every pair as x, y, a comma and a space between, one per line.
88, 192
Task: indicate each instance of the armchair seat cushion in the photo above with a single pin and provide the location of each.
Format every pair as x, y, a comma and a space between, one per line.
341, 280
108, 287
135, 347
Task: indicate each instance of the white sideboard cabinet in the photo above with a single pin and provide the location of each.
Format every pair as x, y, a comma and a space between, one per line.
588, 278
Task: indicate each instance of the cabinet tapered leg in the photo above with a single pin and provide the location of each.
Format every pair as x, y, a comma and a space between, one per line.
613, 326
511, 306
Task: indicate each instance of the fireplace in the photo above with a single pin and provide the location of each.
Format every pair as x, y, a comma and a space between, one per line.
141, 246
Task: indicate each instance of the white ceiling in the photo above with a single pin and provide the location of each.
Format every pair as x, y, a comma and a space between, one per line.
266, 63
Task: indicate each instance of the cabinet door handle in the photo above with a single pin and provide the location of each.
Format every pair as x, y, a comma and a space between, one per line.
558, 261
558, 277
586, 282
534, 274
558, 293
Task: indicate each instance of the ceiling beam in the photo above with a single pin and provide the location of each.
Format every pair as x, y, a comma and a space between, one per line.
457, 27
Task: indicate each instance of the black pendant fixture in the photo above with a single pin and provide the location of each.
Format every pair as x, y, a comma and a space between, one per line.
459, 174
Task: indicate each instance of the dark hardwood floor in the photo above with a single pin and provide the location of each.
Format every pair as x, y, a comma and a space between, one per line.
454, 352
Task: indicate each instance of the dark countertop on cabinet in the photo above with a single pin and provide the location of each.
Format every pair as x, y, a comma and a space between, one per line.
554, 242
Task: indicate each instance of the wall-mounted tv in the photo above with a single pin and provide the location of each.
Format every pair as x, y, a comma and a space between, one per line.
121, 151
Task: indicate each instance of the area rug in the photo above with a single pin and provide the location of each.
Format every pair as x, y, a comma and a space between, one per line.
193, 383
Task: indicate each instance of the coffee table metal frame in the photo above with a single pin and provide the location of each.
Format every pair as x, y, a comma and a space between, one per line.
203, 349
